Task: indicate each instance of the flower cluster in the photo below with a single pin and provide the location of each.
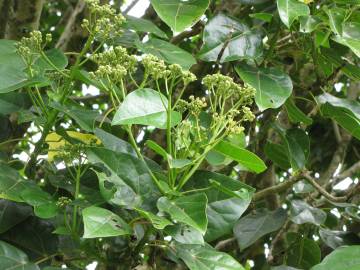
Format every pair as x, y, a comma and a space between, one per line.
185, 75
114, 64
63, 202
107, 22
155, 67
28, 47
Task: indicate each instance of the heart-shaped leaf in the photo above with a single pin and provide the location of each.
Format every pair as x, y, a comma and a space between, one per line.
253, 226
144, 107
290, 10
273, 87
302, 213
180, 14
14, 259
226, 39
190, 210
100, 222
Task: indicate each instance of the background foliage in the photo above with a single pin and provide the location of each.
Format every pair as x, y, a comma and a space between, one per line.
151, 170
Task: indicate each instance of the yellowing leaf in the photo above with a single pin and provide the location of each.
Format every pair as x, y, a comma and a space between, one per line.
56, 141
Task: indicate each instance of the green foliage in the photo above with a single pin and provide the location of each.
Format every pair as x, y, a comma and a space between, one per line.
217, 140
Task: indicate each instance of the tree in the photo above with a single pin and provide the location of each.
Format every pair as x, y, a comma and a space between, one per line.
224, 135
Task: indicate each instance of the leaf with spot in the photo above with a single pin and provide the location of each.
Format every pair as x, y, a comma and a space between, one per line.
100, 222
273, 87
226, 39
190, 210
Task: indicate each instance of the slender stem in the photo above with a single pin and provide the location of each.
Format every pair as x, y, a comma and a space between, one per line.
140, 156
76, 196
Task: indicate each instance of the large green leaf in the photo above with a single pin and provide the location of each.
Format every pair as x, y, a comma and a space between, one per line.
335, 239
241, 155
168, 52
223, 210
198, 257
11, 67
84, 117
12, 258
301, 252
14, 102
56, 57
15, 188
131, 171
341, 258
277, 153
296, 143
290, 10
157, 221
100, 222
302, 213
185, 234
144, 107
227, 39
273, 87
142, 25
190, 210
180, 14
295, 114
12, 213
345, 112
114, 190
34, 236
114, 143
253, 226
346, 33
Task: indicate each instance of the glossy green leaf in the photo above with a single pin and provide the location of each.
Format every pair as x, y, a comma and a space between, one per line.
198, 257
273, 87
157, 221
168, 52
290, 10
309, 23
84, 117
241, 155
350, 36
297, 146
227, 39
114, 190
277, 154
180, 14
222, 210
12, 258
302, 213
335, 239
12, 213
14, 102
144, 107
255, 225
185, 234
34, 236
56, 57
252, 2
190, 210
114, 143
142, 25
295, 114
301, 252
267, 17
345, 112
11, 67
15, 188
100, 222
129, 170
340, 259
